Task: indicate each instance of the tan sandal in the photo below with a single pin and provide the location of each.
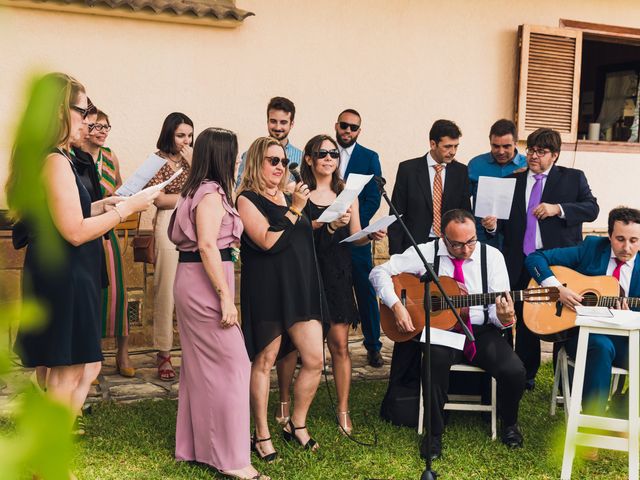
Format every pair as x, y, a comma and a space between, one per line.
283, 419
343, 425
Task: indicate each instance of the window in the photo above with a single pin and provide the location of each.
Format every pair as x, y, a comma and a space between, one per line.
581, 79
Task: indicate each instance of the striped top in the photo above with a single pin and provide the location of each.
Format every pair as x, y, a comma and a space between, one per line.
106, 171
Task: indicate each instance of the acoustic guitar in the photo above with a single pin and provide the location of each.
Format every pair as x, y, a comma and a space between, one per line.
555, 322
411, 292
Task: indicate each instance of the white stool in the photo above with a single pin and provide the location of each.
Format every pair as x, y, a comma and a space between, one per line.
465, 402
562, 376
576, 419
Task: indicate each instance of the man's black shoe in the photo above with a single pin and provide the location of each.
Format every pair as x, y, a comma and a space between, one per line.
436, 447
530, 385
374, 359
512, 437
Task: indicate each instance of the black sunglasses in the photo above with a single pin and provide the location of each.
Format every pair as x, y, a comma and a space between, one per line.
352, 126
335, 154
276, 160
82, 111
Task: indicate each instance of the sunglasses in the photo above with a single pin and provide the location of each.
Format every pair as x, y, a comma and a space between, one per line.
276, 160
335, 154
351, 126
84, 112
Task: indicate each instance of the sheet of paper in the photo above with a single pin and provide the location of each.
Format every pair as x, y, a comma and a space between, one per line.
355, 184
445, 338
160, 186
141, 176
594, 311
384, 222
627, 319
494, 197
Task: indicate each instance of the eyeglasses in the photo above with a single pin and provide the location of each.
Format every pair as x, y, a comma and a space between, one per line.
537, 152
84, 112
351, 126
335, 154
100, 127
461, 245
276, 160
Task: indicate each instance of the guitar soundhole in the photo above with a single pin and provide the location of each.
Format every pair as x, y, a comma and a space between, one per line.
589, 299
436, 303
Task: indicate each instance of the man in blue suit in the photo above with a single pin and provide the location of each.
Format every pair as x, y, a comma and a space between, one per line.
354, 158
615, 256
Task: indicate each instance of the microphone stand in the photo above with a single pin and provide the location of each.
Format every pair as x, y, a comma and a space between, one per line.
428, 277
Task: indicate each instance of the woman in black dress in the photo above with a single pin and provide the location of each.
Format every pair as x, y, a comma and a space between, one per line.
69, 342
281, 294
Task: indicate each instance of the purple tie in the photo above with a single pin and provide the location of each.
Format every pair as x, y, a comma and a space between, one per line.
458, 275
532, 222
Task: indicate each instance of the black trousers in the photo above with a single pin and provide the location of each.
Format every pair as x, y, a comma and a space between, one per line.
496, 357
527, 342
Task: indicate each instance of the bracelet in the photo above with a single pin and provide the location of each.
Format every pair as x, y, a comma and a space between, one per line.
115, 209
295, 212
330, 230
370, 237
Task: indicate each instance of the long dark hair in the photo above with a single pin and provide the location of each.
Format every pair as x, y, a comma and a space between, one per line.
214, 158
166, 142
311, 150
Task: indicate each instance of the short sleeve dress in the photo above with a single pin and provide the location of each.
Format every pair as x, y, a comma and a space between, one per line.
279, 286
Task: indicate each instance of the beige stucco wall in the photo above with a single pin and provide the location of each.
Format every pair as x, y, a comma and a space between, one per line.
402, 63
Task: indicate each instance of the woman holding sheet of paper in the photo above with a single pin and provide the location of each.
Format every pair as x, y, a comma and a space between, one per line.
175, 146
320, 171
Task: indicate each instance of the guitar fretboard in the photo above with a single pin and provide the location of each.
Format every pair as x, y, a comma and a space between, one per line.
633, 302
460, 301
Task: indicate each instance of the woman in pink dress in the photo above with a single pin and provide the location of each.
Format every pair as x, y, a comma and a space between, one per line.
213, 402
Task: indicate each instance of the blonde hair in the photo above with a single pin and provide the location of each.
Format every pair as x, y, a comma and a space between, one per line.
252, 179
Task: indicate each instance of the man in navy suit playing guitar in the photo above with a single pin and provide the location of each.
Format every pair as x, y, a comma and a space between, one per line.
459, 255
615, 255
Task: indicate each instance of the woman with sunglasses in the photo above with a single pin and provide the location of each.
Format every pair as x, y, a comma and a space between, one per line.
174, 145
320, 171
213, 402
280, 289
67, 285
114, 309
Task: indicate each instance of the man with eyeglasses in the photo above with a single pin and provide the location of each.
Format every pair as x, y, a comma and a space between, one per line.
501, 161
550, 204
281, 113
459, 255
354, 158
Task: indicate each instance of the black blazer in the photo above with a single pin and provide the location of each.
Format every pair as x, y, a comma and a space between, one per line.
565, 186
412, 197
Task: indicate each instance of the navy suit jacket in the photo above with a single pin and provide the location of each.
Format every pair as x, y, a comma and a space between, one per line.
565, 186
412, 197
366, 162
591, 258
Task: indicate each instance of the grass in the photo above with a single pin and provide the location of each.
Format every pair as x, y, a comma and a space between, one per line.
136, 441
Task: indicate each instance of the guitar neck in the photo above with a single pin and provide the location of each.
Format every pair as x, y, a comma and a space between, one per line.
472, 300
633, 302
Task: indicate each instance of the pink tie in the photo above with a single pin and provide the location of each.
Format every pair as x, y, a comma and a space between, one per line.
616, 271
458, 275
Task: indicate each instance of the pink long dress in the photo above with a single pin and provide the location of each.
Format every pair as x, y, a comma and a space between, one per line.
213, 401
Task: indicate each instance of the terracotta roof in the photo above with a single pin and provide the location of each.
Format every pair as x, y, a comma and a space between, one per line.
220, 9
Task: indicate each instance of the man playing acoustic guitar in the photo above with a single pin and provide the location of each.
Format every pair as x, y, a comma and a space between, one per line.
615, 256
459, 256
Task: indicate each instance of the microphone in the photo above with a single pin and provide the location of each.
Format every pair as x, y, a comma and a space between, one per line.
293, 170
380, 181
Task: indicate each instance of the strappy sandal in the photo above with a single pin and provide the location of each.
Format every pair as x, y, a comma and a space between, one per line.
79, 426
283, 419
289, 436
165, 373
269, 457
258, 476
343, 425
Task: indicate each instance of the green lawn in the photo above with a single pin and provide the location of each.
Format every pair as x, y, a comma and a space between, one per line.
137, 442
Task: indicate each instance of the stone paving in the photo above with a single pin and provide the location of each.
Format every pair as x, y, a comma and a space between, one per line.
147, 385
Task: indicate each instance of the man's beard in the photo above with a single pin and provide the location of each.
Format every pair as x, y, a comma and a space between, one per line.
343, 144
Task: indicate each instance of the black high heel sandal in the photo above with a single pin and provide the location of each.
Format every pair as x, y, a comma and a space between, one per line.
269, 457
289, 436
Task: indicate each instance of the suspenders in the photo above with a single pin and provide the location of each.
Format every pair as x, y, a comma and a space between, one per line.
483, 272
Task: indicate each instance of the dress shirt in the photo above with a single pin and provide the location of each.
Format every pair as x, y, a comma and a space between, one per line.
486, 166
625, 273
345, 156
530, 182
432, 175
409, 262
293, 154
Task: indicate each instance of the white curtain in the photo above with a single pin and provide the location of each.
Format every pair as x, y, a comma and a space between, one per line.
617, 89
636, 118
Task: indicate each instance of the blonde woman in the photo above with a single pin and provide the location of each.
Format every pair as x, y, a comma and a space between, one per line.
281, 293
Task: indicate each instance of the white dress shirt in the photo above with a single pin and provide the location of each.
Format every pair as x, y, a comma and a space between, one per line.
625, 273
527, 194
409, 262
432, 175
345, 156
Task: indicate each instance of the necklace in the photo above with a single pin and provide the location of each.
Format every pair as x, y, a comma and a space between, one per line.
272, 195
